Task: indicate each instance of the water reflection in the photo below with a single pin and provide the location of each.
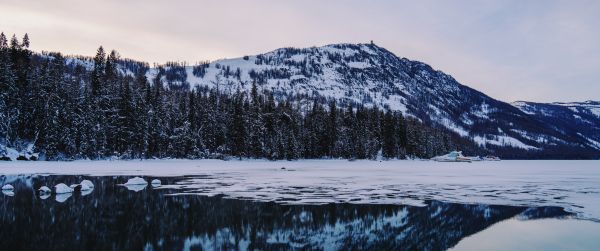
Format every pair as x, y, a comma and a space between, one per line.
111, 217
87, 191
62, 197
8, 193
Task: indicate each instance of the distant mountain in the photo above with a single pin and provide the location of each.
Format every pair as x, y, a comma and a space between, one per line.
575, 118
370, 75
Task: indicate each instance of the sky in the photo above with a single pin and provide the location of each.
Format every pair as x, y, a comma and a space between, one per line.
535, 50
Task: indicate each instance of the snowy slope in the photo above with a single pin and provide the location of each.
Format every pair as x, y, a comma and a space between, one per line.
581, 118
371, 75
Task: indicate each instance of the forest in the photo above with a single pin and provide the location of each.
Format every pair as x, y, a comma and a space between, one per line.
67, 108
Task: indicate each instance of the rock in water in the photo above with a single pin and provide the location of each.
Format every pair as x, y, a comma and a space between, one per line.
156, 183
136, 184
85, 187
62, 188
136, 188
86, 192
44, 190
136, 181
87, 183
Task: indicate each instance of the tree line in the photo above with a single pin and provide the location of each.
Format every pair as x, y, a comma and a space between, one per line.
106, 107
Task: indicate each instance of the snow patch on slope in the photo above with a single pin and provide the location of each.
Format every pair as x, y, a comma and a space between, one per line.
501, 140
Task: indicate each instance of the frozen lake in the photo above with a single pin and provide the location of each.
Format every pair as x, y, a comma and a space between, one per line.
311, 204
572, 185
114, 216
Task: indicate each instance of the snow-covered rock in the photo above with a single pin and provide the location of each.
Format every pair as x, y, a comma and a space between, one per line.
44, 190
62, 188
136, 184
22, 152
87, 183
73, 186
156, 183
136, 187
136, 181
7, 187
85, 187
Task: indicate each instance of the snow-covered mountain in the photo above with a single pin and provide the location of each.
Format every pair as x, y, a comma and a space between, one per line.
371, 75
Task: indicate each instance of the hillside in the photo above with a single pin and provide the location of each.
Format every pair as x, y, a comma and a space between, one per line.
369, 75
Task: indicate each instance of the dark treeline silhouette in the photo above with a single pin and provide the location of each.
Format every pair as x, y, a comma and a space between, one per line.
71, 108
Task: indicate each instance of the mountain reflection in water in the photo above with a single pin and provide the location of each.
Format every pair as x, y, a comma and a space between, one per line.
112, 217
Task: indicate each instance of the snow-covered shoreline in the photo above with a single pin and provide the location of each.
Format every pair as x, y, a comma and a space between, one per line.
572, 184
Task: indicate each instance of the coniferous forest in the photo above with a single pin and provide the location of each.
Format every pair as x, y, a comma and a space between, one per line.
68, 111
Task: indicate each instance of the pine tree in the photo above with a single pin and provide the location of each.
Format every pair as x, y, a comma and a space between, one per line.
389, 136
108, 103
53, 132
98, 72
256, 128
25, 41
156, 134
237, 130
332, 129
125, 122
401, 136
8, 90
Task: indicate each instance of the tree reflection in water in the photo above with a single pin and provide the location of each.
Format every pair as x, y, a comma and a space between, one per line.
112, 217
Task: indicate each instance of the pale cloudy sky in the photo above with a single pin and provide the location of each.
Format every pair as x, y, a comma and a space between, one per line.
538, 50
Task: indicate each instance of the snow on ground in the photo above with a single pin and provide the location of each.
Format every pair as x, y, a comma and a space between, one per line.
574, 185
